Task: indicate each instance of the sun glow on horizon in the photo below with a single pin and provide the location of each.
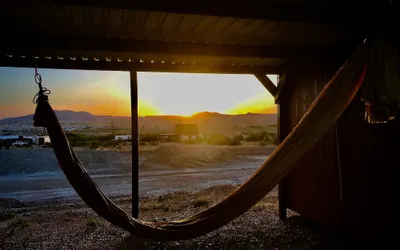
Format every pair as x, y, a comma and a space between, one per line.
255, 104
108, 93
188, 94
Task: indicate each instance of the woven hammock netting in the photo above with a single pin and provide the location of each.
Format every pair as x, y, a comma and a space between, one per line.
380, 93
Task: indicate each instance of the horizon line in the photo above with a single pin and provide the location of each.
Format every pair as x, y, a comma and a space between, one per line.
187, 116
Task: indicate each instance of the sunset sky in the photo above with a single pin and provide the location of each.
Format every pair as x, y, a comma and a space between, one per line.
108, 93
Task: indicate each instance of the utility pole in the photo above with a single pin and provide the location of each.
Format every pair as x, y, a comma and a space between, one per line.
112, 127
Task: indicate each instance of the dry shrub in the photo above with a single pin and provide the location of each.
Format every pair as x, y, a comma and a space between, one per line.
201, 201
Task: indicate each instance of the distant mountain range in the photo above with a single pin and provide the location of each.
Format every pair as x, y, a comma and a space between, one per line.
63, 115
206, 121
78, 118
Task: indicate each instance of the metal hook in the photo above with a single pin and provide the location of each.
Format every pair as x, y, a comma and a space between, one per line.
38, 79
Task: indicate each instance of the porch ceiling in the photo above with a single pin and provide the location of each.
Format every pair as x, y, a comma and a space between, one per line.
156, 36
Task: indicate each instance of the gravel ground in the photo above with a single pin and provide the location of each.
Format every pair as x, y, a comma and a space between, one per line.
74, 226
30, 161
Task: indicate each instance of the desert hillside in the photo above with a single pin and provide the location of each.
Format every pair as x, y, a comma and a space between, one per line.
206, 121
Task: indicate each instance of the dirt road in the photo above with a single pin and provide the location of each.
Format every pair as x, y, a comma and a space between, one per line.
34, 175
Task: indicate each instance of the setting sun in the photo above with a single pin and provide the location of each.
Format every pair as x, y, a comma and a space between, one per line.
186, 94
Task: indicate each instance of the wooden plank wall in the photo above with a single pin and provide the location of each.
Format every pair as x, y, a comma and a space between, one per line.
312, 187
369, 161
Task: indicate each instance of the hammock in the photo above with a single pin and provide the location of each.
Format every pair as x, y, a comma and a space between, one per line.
320, 117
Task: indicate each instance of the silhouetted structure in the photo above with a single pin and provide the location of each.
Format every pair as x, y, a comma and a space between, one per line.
186, 132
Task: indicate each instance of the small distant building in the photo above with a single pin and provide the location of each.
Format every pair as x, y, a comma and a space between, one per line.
7, 140
9, 137
186, 132
122, 137
39, 140
171, 137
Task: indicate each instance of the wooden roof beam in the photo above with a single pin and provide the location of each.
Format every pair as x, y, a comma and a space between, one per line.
42, 44
347, 12
267, 83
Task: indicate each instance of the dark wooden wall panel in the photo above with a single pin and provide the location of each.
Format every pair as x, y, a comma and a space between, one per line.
312, 187
369, 161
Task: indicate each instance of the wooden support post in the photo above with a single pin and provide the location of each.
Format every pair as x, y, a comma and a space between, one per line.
267, 83
281, 200
280, 87
282, 207
282, 132
275, 91
135, 144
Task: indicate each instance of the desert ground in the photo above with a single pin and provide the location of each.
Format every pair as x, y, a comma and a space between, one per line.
33, 175
39, 209
74, 226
